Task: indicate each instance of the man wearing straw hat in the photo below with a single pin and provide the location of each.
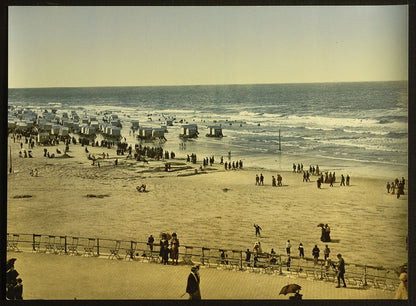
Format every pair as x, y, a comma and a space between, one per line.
192, 287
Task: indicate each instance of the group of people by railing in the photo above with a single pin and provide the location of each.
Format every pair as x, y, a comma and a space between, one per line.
169, 246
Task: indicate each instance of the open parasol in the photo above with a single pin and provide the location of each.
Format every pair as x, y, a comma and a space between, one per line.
291, 288
167, 235
320, 225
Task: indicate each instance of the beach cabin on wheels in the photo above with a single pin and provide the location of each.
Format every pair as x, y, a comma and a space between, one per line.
158, 133
215, 131
145, 133
43, 138
189, 131
135, 125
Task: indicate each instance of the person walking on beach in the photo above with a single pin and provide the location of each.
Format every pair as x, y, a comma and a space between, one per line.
342, 180
340, 270
258, 228
348, 180
288, 246
388, 187
248, 256
261, 179
279, 180
273, 181
301, 251
257, 179
315, 254
192, 287
326, 252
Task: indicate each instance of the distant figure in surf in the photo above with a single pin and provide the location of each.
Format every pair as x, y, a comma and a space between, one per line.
258, 228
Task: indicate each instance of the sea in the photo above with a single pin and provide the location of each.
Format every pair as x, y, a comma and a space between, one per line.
357, 128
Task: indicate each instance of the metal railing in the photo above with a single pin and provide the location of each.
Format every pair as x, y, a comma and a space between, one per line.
357, 275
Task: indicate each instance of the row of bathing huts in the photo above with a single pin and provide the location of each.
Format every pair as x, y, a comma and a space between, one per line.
46, 125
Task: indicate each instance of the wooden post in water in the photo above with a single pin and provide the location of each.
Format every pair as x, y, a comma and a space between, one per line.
33, 244
66, 245
98, 246
203, 256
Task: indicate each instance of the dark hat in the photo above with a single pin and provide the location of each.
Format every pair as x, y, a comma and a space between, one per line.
195, 268
339, 255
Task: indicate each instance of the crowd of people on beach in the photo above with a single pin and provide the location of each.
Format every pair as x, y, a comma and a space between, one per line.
396, 187
233, 165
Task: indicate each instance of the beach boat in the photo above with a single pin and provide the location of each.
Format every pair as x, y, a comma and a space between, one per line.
189, 131
215, 131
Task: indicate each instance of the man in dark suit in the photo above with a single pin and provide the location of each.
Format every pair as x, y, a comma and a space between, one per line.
341, 270
192, 287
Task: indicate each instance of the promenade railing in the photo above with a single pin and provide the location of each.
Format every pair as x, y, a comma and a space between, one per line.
357, 275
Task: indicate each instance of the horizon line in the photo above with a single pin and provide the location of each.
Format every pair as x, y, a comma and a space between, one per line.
227, 84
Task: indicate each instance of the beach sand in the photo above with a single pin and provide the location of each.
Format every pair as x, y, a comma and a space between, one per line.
214, 208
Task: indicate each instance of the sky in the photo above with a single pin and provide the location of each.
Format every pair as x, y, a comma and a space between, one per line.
147, 46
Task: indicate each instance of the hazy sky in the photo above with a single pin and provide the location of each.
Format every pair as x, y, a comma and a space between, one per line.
138, 46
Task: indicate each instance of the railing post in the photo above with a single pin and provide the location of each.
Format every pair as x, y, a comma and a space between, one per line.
33, 243
98, 246
280, 264
365, 275
66, 252
241, 260
203, 256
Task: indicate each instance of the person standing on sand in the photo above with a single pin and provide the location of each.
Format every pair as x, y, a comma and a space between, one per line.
326, 252
257, 179
288, 246
340, 270
261, 179
401, 293
301, 251
348, 180
192, 287
150, 241
388, 187
315, 254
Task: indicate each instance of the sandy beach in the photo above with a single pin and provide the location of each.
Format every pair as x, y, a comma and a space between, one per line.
212, 208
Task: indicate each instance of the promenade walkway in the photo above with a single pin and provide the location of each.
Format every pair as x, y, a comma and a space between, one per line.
50, 276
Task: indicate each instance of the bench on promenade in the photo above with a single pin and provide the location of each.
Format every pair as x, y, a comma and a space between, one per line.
61, 245
73, 247
12, 242
131, 252
89, 248
114, 251
50, 244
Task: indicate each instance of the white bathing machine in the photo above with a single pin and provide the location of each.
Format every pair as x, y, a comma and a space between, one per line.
189, 131
215, 131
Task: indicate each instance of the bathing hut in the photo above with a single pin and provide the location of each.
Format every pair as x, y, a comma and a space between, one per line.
55, 129
135, 125
145, 133
43, 138
189, 131
63, 131
215, 131
158, 133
